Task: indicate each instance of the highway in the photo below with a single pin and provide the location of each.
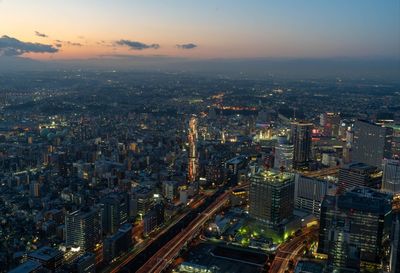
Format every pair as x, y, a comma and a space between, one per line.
165, 256
124, 259
322, 173
290, 250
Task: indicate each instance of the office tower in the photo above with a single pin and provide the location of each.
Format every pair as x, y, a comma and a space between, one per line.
272, 197
141, 201
170, 189
391, 175
283, 154
309, 193
193, 158
355, 223
83, 229
153, 219
395, 236
359, 174
118, 243
301, 140
372, 143
114, 212
331, 123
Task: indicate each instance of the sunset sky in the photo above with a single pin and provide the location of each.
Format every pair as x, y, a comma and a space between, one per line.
79, 29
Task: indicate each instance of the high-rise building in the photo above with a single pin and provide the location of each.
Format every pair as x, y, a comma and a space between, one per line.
118, 243
359, 174
193, 157
83, 229
114, 212
153, 219
309, 193
354, 229
272, 197
395, 236
331, 123
372, 143
391, 175
283, 154
301, 140
84, 263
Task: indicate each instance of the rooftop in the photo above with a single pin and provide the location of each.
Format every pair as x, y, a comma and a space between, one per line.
26, 267
272, 176
45, 253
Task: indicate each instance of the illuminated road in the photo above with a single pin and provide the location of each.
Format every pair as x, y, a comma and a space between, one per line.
123, 260
165, 256
322, 173
290, 250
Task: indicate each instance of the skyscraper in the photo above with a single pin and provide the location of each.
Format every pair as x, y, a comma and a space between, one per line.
372, 143
301, 139
395, 236
83, 229
354, 229
115, 212
193, 158
272, 197
391, 175
283, 154
331, 123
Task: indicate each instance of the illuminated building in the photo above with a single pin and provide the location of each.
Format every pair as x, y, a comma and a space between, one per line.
114, 213
331, 123
359, 174
372, 143
48, 257
395, 236
283, 154
271, 197
153, 219
301, 140
354, 229
83, 229
193, 158
391, 175
309, 193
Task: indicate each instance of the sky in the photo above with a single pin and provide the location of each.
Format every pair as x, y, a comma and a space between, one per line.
82, 29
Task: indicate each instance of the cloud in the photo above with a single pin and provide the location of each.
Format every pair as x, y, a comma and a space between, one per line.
13, 47
186, 46
58, 45
137, 45
37, 33
73, 43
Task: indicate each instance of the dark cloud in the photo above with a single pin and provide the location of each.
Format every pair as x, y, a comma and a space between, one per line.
73, 43
58, 45
186, 46
13, 47
37, 33
136, 45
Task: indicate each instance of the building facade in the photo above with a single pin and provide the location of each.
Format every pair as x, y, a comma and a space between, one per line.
354, 230
271, 197
372, 143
